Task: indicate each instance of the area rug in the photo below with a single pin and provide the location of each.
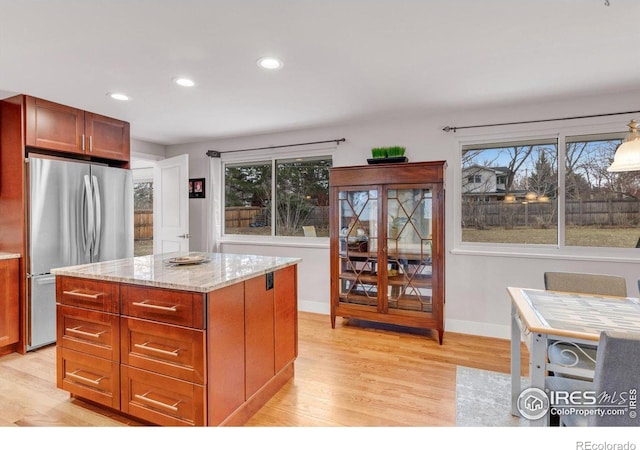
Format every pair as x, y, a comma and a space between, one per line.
483, 399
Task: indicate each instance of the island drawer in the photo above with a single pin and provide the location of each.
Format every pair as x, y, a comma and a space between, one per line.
93, 332
166, 349
86, 293
163, 305
89, 377
162, 400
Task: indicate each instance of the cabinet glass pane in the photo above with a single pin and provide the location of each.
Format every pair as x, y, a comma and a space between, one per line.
358, 224
409, 246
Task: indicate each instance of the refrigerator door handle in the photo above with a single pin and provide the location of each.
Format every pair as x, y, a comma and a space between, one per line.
98, 215
89, 228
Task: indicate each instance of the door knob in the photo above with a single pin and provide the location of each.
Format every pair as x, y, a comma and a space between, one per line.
185, 236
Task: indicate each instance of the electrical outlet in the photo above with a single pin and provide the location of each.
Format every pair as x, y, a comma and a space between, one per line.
269, 281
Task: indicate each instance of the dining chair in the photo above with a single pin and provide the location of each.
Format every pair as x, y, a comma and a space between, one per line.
614, 384
581, 356
309, 231
586, 283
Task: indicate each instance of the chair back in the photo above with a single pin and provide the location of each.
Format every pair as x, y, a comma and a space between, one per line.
586, 283
309, 231
616, 375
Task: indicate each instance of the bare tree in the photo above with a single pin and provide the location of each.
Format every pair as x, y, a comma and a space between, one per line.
518, 156
544, 177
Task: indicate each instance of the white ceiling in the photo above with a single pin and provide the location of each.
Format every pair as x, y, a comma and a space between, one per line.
345, 60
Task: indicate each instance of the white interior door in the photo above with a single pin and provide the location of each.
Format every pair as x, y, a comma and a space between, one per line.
171, 205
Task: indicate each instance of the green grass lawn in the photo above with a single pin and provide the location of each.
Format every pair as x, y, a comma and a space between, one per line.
575, 236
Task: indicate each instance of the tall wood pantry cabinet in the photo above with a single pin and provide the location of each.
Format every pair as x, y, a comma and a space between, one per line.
387, 244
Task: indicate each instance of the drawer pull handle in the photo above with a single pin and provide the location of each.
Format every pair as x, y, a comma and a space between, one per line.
159, 350
81, 378
144, 304
76, 293
144, 397
83, 333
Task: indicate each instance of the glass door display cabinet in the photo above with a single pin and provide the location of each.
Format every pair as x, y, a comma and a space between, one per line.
387, 244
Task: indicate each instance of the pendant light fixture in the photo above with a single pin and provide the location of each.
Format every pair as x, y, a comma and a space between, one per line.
627, 157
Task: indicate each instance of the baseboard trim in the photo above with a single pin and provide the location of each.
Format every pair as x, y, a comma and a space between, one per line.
314, 307
453, 325
477, 328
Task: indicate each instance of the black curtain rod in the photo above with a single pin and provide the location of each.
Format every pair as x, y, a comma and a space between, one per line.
215, 154
454, 129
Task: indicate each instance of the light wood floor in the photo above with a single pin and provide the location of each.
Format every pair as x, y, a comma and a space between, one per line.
357, 374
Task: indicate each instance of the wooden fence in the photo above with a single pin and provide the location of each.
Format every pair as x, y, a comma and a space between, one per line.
247, 216
142, 225
244, 216
579, 213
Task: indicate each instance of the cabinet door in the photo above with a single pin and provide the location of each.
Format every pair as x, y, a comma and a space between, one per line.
357, 227
259, 342
53, 126
87, 331
162, 400
86, 293
225, 352
177, 352
285, 317
163, 305
9, 325
409, 256
88, 376
107, 137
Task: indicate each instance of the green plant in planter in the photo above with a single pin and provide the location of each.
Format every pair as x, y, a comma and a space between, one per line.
396, 151
379, 152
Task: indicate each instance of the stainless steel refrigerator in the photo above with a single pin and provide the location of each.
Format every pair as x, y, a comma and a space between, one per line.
78, 213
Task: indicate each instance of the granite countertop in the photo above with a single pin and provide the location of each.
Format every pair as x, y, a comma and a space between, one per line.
222, 270
4, 255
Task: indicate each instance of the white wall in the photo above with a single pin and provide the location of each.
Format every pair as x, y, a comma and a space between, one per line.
476, 298
147, 150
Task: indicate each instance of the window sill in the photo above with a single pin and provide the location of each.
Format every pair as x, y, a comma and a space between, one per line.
281, 241
577, 254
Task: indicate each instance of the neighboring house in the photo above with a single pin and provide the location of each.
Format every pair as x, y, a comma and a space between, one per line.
481, 183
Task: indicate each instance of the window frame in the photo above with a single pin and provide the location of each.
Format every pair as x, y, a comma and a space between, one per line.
560, 131
256, 156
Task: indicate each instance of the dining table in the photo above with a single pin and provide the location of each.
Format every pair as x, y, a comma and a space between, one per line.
542, 318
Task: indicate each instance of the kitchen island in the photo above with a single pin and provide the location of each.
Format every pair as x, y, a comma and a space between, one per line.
200, 339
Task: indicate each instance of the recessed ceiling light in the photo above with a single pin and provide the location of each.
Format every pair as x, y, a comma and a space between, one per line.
186, 82
118, 96
269, 62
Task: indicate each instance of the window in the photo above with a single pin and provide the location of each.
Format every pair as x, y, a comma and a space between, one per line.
300, 187
601, 208
247, 194
143, 218
516, 201
474, 179
520, 180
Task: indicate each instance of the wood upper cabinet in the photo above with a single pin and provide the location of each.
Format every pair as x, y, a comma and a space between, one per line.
53, 126
9, 325
108, 138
